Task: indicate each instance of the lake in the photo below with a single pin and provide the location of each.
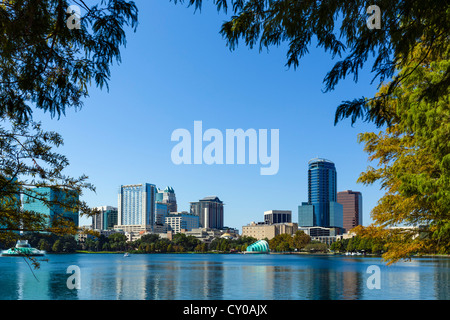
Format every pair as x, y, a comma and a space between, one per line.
224, 276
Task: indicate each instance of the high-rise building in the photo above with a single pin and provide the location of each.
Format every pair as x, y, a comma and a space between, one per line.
161, 212
167, 196
136, 206
352, 208
322, 196
210, 212
106, 218
277, 216
53, 202
182, 220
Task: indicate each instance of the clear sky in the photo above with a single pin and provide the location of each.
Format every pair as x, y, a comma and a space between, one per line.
176, 69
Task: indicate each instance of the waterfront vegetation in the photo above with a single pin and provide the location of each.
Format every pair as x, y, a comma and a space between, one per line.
181, 243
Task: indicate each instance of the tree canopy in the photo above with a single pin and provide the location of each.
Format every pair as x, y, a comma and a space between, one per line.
413, 157
340, 28
46, 64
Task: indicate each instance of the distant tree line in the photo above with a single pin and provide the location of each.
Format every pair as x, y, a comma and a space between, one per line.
48, 242
358, 244
152, 243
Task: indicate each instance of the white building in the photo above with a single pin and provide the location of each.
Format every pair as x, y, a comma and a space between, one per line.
182, 220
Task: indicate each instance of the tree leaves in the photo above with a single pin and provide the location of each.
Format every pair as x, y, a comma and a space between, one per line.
46, 65
413, 159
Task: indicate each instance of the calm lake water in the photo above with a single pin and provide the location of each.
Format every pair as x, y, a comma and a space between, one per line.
223, 276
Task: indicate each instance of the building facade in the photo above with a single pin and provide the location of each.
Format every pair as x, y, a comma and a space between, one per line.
106, 219
161, 212
210, 212
53, 202
168, 197
178, 221
136, 207
277, 216
351, 202
321, 209
262, 230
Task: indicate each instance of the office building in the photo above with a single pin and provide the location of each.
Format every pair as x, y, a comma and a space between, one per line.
306, 215
162, 210
321, 209
168, 197
277, 216
136, 207
351, 202
106, 219
178, 221
261, 230
210, 212
54, 203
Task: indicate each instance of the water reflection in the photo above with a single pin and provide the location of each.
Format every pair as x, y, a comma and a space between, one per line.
294, 282
197, 277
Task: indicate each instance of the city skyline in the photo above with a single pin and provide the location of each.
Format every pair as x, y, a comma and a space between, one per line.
176, 71
326, 208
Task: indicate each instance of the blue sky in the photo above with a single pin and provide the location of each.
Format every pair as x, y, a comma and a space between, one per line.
176, 69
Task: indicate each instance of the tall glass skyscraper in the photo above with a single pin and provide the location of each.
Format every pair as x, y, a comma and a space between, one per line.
137, 205
59, 203
321, 209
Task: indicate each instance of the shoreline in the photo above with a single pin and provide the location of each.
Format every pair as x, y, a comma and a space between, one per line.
244, 253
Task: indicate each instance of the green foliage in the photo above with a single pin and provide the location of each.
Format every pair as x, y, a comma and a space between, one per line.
300, 240
358, 244
339, 27
49, 66
281, 242
226, 245
316, 246
413, 163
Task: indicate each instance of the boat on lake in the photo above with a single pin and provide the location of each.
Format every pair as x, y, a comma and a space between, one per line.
23, 248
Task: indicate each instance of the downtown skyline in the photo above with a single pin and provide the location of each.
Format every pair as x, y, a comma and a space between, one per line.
175, 70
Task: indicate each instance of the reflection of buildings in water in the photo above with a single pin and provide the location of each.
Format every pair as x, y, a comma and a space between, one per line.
206, 279
27, 283
352, 283
256, 281
301, 282
279, 281
130, 281
442, 279
324, 280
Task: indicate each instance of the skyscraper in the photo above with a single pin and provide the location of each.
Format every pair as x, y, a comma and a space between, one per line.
210, 212
167, 196
321, 209
53, 202
105, 219
137, 206
352, 208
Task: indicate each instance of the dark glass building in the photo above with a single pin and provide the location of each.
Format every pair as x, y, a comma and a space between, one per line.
322, 208
210, 212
